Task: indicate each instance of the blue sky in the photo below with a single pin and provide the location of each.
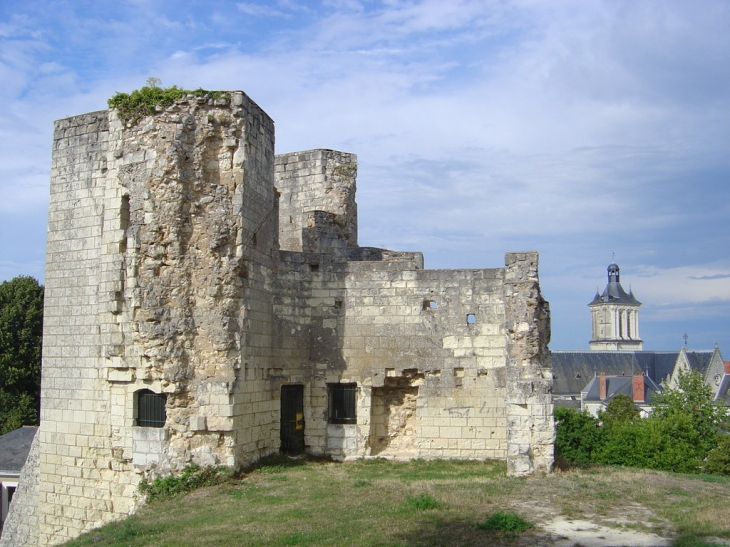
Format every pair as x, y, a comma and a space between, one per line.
578, 129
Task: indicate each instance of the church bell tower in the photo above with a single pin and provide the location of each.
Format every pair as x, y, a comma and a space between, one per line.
615, 317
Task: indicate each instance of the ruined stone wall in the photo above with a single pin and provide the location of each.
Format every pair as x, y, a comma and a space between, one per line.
316, 180
428, 348
164, 273
430, 351
194, 219
530, 424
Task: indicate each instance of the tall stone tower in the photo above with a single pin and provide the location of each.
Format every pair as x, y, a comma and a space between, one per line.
615, 317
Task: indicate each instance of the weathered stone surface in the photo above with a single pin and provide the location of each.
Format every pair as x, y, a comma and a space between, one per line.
186, 260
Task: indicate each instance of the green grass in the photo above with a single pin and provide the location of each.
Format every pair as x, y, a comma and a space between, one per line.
376, 503
506, 521
422, 502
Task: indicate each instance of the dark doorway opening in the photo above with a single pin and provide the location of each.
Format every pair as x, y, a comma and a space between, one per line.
292, 419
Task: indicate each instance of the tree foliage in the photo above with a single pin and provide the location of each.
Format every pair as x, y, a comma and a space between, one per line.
21, 330
620, 410
683, 434
578, 436
690, 413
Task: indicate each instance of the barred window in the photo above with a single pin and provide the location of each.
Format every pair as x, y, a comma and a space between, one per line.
151, 410
342, 403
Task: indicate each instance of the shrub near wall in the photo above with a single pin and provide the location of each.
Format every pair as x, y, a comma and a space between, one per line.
578, 436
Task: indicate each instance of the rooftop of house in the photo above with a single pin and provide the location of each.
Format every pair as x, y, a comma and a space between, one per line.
14, 448
619, 385
572, 370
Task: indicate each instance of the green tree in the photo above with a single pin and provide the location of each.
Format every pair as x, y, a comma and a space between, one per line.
621, 409
718, 459
689, 413
578, 436
678, 436
21, 331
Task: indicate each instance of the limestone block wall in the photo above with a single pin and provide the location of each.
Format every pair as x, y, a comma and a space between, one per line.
161, 247
191, 220
80, 482
315, 180
530, 423
427, 349
165, 274
429, 346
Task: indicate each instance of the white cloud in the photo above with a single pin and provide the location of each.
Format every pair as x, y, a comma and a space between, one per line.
577, 128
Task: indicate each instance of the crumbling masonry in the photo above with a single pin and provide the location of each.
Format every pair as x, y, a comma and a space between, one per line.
188, 263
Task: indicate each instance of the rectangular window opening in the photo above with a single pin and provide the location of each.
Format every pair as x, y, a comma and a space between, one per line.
471, 319
342, 399
429, 304
314, 267
151, 411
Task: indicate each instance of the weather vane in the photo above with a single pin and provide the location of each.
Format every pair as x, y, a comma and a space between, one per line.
685, 339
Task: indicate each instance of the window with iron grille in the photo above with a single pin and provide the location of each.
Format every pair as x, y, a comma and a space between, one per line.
151, 408
342, 403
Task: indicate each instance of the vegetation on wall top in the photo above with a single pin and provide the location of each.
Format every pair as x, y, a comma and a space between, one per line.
132, 107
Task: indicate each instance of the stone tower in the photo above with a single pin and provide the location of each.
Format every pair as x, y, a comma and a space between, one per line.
615, 317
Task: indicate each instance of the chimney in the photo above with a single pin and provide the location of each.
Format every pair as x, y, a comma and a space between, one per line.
638, 384
602, 386
727, 367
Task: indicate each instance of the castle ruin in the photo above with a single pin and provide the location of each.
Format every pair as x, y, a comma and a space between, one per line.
207, 301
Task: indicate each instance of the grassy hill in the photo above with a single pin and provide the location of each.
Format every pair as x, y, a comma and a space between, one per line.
427, 504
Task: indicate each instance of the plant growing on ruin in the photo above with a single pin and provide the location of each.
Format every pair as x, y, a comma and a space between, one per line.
191, 478
132, 107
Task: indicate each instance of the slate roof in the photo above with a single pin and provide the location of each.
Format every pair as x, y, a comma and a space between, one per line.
14, 448
614, 292
616, 385
572, 370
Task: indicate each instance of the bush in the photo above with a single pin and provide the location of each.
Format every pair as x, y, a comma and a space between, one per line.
620, 410
578, 436
718, 459
508, 522
132, 107
679, 436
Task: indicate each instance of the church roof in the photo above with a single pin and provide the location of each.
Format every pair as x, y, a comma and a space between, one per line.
614, 292
572, 370
619, 385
